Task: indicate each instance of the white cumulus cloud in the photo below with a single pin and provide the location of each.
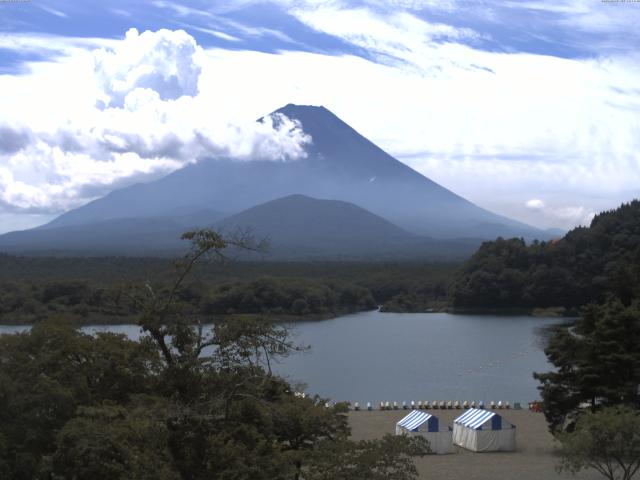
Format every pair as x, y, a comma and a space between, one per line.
128, 111
576, 215
564, 214
164, 62
535, 204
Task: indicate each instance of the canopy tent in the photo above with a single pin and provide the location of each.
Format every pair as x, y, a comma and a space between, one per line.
484, 431
427, 426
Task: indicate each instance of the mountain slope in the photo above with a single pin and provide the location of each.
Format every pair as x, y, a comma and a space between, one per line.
298, 219
122, 236
297, 227
341, 164
301, 227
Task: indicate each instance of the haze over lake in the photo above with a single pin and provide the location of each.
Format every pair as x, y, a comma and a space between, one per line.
373, 356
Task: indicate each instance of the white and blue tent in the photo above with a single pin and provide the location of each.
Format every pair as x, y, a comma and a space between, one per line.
427, 426
484, 431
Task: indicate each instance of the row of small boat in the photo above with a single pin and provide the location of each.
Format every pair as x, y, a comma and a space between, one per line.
426, 405
438, 405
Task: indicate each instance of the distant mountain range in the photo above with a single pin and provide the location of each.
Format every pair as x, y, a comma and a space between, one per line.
347, 198
296, 227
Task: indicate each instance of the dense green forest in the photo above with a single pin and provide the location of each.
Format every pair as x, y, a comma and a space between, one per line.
587, 265
92, 290
280, 297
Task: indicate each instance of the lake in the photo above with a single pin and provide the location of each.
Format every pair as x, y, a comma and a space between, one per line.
374, 356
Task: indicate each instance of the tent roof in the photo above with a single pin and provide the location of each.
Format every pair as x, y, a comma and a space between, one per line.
414, 419
474, 418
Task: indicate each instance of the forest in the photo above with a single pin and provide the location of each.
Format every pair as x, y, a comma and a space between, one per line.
586, 266
92, 290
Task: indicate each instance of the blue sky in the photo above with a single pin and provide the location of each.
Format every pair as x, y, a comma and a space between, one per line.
528, 108
570, 29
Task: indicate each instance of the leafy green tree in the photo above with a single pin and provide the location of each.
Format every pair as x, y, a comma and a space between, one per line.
113, 442
50, 372
302, 423
597, 363
607, 441
389, 458
5, 468
299, 306
584, 266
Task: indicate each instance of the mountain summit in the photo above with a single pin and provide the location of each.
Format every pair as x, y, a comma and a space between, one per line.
340, 164
388, 187
336, 144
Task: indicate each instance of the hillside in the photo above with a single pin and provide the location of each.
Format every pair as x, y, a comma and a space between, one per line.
301, 227
585, 266
302, 223
341, 164
124, 236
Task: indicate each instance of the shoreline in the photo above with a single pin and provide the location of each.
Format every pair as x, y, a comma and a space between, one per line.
102, 320
558, 312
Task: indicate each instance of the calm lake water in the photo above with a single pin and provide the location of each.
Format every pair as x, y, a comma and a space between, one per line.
375, 356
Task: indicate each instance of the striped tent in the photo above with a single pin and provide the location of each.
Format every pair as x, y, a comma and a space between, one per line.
427, 426
484, 431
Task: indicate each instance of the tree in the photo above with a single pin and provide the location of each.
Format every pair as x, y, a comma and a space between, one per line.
584, 266
597, 363
607, 441
113, 442
165, 316
299, 306
186, 402
389, 458
47, 374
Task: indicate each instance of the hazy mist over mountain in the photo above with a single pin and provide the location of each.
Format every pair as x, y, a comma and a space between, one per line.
338, 164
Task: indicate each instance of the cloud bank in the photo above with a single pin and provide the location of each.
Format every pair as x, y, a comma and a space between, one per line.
138, 115
573, 215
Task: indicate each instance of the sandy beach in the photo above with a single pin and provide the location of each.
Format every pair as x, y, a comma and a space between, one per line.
534, 459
